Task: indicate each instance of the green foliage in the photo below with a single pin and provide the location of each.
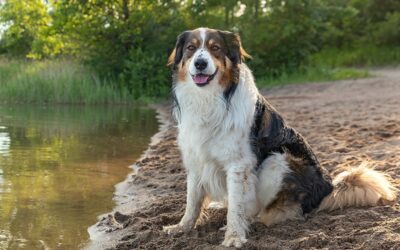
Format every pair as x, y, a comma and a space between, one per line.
29, 31
119, 42
124, 40
387, 32
154, 82
283, 38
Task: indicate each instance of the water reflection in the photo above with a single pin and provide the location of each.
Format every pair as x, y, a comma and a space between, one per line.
4, 141
58, 166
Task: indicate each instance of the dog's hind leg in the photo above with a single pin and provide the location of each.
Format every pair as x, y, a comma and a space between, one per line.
277, 204
279, 211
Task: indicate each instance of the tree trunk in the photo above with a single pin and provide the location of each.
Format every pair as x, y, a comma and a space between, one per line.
226, 17
125, 9
256, 9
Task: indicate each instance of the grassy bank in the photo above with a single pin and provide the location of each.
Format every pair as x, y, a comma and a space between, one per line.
357, 56
56, 82
65, 81
313, 74
332, 64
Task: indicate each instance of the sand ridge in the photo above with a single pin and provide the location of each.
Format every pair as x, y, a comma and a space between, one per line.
345, 122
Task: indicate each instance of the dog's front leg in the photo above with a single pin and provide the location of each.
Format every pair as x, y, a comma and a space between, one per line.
241, 200
194, 200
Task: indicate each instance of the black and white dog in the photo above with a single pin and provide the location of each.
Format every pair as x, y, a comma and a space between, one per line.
237, 149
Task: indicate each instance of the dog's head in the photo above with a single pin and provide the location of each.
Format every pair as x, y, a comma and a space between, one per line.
207, 56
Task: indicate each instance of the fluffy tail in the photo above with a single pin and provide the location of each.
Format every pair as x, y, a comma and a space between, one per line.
359, 187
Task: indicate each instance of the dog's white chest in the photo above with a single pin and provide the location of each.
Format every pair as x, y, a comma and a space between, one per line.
207, 153
212, 144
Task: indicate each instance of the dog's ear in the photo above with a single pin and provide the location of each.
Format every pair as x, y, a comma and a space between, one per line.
177, 53
235, 51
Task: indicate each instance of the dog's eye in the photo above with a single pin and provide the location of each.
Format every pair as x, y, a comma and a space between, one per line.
215, 47
191, 47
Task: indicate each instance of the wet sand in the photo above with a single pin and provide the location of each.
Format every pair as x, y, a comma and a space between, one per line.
346, 123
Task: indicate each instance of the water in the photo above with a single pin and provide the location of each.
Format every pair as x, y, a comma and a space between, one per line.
58, 168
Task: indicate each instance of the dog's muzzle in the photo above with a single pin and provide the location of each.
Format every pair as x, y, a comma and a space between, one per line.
203, 79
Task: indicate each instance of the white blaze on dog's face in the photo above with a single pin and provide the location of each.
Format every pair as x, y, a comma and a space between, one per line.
202, 68
206, 56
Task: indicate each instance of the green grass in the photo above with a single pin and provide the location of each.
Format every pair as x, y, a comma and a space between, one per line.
333, 64
356, 56
56, 82
312, 74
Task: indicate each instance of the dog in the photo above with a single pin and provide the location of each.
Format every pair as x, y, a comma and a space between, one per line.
237, 149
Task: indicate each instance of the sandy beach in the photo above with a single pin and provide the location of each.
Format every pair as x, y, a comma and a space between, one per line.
346, 123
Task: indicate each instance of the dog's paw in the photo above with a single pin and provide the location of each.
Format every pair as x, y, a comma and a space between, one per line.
234, 240
178, 228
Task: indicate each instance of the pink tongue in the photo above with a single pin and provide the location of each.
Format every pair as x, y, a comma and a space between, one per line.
200, 79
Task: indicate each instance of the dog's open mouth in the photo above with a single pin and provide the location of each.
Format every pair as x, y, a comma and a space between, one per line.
203, 79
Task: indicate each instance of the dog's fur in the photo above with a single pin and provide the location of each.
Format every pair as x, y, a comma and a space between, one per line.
237, 149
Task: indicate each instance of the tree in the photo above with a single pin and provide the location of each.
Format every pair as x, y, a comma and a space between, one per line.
28, 30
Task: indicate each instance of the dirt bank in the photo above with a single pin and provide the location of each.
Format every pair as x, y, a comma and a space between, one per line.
345, 122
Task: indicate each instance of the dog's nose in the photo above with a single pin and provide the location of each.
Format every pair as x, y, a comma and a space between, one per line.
200, 64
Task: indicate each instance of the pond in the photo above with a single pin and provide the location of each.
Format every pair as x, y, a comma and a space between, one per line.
58, 168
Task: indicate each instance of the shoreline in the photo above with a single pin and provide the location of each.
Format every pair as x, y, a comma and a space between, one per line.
346, 123
127, 199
